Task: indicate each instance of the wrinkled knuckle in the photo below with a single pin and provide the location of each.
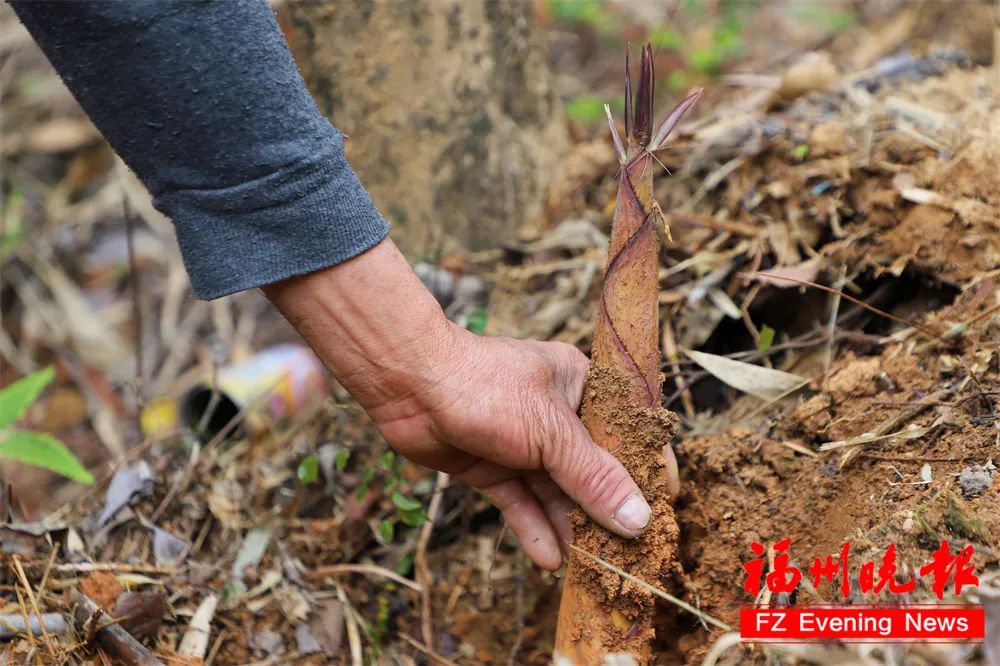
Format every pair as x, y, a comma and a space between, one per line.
551, 434
606, 489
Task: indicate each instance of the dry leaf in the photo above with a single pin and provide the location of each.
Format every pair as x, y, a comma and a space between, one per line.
142, 612
764, 383
61, 135
168, 550
327, 626
305, 642
805, 271
721, 300
269, 642
912, 432
127, 483
254, 545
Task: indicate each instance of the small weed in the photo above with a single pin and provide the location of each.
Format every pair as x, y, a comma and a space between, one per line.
308, 471
766, 338
340, 460
584, 11
35, 448
406, 510
965, 526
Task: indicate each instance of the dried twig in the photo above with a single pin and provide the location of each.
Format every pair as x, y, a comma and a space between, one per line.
19, 570
367, 569
519, 610
115, 567
351, 622
673, 357
136, 296
656, 591
429, 653
12, 626
195, 639
421, 568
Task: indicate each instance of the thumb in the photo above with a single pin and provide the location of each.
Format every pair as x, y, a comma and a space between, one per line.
593, 478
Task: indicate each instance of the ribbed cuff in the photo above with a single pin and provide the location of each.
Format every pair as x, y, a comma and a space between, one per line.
303, 218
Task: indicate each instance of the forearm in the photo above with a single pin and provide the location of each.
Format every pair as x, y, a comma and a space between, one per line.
375, 326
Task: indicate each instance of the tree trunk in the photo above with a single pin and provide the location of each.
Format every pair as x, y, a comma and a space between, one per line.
448, 106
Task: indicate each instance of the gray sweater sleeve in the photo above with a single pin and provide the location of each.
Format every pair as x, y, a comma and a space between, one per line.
203, 101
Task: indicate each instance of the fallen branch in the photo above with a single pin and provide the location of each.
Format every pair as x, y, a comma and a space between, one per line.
12, 626
94, 624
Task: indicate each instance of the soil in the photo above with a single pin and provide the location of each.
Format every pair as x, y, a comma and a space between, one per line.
745, 483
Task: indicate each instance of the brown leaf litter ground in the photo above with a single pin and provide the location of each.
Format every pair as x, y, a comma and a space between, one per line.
863, 168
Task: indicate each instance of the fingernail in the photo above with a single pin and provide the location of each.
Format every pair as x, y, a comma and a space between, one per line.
633, 514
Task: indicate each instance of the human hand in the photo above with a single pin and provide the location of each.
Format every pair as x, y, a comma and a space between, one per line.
501, 416
497, 413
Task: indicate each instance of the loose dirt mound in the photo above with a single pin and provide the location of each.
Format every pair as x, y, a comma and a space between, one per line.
766, 478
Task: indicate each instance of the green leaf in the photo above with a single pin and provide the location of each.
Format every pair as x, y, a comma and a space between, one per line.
386, 530
362, 491
664, 39
476, 321
9, 242
413, 518
43, 450
587, 11
766, 338
405, 503
385, 462
340, 460
309, 469
12, 233
16, 398
229, 590
707, 60
405, 565
800, 152
585, 109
